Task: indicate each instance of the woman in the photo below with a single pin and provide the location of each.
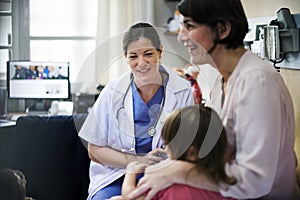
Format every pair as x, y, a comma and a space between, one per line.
126, 120
193, 121
252, 101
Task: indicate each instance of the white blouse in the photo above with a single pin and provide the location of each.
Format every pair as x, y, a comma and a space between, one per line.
258, 115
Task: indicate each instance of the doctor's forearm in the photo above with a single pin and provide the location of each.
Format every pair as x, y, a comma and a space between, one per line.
110, 157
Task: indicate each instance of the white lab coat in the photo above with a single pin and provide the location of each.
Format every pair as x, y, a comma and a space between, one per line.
100, 127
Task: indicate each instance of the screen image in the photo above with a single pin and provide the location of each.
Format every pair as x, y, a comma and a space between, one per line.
38, 80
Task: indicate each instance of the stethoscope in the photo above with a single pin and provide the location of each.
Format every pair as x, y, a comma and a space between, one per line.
151, 129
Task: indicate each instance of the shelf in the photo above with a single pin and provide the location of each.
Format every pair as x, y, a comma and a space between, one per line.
5, 46
5, 13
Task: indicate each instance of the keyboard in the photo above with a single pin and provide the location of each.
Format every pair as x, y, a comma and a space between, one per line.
3, 121
16, 116
40, 113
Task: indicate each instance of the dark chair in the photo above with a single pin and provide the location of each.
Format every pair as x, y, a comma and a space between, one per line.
52, 157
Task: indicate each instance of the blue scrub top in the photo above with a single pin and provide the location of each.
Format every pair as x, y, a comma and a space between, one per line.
145, 116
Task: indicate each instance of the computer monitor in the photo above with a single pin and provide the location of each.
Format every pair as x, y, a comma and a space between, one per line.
38, 80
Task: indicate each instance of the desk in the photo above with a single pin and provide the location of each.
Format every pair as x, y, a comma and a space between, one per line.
14, 116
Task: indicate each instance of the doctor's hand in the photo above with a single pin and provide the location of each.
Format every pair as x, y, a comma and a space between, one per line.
153, 157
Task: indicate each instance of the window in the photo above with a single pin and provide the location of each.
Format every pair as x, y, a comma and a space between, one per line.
63, 31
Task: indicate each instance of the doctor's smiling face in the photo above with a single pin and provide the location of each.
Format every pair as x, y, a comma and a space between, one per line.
142, 49
143, 59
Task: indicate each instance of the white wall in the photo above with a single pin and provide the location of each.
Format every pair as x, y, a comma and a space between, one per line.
262, 8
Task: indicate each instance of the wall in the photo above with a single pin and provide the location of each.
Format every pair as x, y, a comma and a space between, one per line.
175, 54
258, 8
163, 11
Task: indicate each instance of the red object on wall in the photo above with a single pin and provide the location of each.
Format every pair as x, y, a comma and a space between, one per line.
195, 89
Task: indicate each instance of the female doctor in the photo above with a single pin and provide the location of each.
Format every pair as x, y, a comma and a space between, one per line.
126, 120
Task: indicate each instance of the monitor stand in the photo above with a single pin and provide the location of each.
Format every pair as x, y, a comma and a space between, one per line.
38, 108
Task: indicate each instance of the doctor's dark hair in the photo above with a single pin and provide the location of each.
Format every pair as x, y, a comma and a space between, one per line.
141, 30
188, 128
214, 12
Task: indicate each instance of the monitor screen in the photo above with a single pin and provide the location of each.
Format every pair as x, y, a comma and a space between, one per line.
38, 80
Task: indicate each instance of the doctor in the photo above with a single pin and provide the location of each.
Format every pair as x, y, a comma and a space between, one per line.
126, 120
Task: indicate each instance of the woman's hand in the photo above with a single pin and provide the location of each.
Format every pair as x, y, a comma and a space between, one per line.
164, 174
179, 71
161, 176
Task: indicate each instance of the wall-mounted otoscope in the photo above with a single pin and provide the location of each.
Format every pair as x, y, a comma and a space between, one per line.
281, 36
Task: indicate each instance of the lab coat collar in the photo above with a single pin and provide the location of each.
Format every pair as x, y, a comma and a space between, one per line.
122, 83
173, 86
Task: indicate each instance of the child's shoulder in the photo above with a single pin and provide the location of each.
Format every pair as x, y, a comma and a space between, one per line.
180, 191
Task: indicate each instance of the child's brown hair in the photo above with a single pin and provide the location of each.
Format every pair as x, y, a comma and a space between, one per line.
200, 128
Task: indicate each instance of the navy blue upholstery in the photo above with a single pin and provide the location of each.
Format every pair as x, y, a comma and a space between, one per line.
7, 147
52, 157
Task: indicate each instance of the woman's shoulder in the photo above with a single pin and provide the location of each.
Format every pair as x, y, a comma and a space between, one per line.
250, 63
251, 67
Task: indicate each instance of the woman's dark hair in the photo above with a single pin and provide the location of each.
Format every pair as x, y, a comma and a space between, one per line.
141, 30
214, 12
199, 127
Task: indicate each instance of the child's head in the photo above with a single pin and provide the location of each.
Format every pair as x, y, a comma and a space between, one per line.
12, 184
196, 134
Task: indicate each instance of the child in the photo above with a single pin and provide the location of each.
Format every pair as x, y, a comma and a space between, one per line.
185, 134
12, 185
